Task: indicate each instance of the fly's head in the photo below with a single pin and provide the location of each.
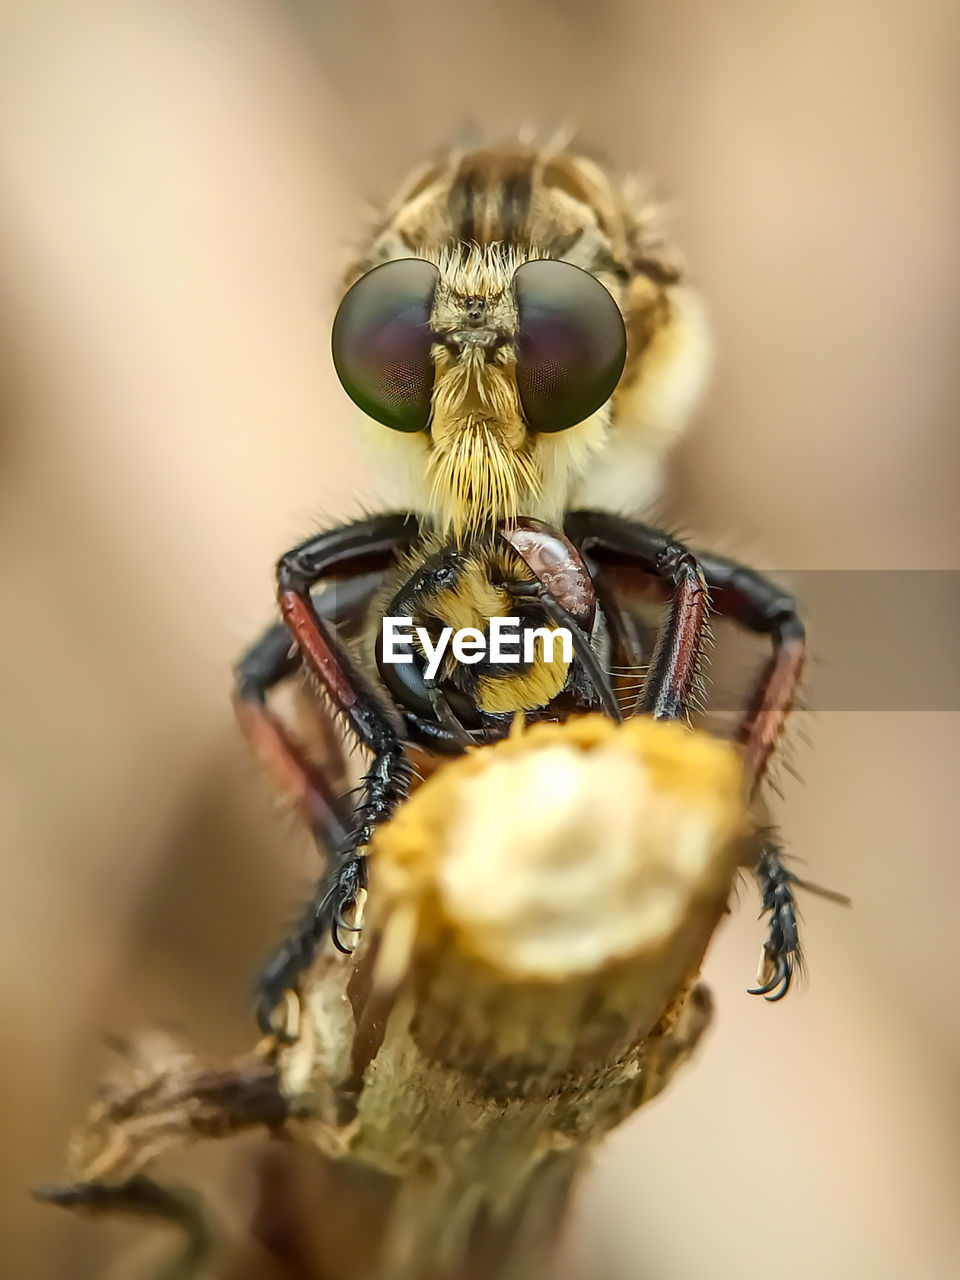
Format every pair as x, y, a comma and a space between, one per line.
486, 355
501, 366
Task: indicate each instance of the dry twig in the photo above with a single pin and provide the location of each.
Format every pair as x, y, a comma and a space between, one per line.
538, 913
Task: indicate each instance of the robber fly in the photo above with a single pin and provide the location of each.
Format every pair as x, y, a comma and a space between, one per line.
524, 346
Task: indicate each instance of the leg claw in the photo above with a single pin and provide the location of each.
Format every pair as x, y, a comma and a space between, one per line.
340, 892
781, 957
778, 984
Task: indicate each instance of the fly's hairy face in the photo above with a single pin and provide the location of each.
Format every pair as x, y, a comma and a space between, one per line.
483, 465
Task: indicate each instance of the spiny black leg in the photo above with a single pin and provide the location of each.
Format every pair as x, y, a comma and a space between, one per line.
272, 659
765, 608
336, 894
672, 675
756, 603
782, 956
386, 784
353, 549
735, 592
675, 666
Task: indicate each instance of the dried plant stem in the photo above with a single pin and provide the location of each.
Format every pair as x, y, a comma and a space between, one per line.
538, 914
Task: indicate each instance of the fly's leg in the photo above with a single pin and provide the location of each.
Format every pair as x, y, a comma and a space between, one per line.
274, 658
349, 551
671, 678
674, 668
761, 606
766, 609
385, 785
781, 957
735, 592
271, 660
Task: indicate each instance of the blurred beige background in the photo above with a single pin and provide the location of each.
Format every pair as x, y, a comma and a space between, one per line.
179, 183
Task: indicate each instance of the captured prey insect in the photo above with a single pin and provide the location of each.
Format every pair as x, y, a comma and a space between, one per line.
521, 325
526, 571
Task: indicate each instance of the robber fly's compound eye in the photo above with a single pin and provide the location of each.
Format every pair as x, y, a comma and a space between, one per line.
571, 344
382, 340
